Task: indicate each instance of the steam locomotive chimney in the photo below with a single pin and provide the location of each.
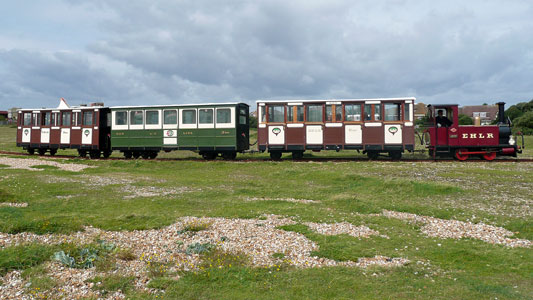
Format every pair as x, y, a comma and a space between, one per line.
501, 112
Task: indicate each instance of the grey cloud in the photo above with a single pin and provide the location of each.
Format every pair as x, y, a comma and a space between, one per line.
194, 51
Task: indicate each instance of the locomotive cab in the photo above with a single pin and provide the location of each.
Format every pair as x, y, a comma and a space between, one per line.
448, 138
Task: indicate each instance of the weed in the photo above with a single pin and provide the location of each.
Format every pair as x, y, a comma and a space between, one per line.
198, 248
125, 254
112, 283
278, 255
23, 256
195, 226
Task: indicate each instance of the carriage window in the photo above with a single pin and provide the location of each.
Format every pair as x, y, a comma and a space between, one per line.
276, 114
35, 120
136, 117
314, 113
170, 117
27, 119
377, 112
152, 117
189, 116
338, 113
65, 118
406, 112
223, 116
352, 112
392, 111
88, 118
262, 114
121, 118
368, 112
77, 119
55, 119
295, 113
329, 113
205, 116
46, 119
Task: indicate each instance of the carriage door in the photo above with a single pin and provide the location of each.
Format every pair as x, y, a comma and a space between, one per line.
393, 126
314, 132
352, 131
276, 133
26, 129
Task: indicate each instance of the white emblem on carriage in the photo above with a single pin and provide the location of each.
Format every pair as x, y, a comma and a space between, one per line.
26, 131
393, 130
169, 133
86, 132
276, 131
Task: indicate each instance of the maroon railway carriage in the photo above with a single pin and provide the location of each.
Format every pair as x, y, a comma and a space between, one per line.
372, 125
487, 141
85, 128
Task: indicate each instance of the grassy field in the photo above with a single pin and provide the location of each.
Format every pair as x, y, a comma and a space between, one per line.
499, 194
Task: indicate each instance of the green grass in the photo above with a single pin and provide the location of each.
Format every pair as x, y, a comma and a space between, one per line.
493, 193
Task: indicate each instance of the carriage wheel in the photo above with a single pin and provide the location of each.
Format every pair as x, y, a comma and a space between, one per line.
82, 153
209, 155
107, 153
128, 154
94, 154
229, 155
146, 154
297, 155
489, 156
53, 152
136, 154
275, 155
372, 154
153, 154
41, 151
460, 155
395, 155
31, 151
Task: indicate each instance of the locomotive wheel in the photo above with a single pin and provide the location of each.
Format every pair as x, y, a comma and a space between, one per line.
395, 155
229, 155
136, 154
297, 155
489, 156
31, 151
94, 154
128, 154
82, 153
275, 155
53, 152
153, 154
209, 155
460, 155
41, 151
372, 154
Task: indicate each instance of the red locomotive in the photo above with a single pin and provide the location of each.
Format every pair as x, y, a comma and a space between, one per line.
449, 139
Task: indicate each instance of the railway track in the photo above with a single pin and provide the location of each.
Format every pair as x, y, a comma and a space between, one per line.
305, 159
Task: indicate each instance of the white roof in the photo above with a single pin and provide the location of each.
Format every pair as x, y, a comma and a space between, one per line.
172, 105
335, 100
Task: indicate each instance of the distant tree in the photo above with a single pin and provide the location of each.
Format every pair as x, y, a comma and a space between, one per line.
524, 123
485, 103
253, 122
2, 118
465, 120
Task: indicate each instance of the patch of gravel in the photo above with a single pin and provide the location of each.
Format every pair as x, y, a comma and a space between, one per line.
455, 229
23, 163
342, 228
305, 201
258, 239
13, 204
152, 191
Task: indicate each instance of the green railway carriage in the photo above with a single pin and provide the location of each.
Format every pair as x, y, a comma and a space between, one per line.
209, 129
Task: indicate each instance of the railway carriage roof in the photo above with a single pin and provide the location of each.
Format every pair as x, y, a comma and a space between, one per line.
335, 100
179, 105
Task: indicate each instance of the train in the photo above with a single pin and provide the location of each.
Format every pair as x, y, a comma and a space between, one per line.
377, 127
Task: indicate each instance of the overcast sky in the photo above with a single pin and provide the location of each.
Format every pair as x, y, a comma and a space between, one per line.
171, 51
